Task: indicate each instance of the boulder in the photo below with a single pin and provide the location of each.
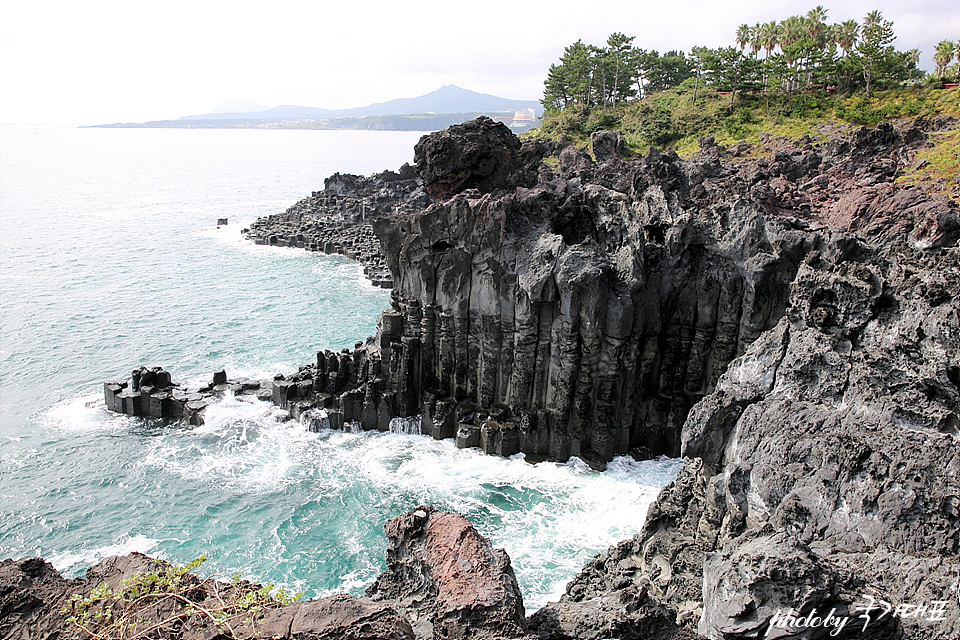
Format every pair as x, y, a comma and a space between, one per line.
478, 154
607, 145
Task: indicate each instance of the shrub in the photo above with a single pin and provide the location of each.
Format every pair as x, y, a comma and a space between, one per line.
165, 601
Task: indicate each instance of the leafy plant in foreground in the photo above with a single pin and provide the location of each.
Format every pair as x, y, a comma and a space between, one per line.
168, 601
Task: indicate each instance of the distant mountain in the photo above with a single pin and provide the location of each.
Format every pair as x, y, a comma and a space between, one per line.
239, 105
446, 99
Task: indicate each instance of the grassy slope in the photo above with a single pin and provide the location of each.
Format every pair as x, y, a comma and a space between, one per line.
668, 119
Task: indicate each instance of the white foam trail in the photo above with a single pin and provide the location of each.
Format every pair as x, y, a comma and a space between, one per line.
84, 558
83, 413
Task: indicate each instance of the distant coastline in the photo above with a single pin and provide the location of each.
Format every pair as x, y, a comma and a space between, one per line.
401, 122
439, 109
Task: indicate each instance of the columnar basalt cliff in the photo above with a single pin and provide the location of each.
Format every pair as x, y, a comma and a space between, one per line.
820, 474
590, 308
788, 321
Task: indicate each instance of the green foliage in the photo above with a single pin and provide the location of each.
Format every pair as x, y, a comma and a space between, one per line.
168, 600
865, 111
800, 54
938, 167
669, 119
664, 72
879, 62
601, 121
738, 125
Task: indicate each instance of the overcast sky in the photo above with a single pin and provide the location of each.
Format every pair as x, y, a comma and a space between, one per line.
100, 61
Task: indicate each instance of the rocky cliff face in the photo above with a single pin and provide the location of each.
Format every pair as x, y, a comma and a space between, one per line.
586, 312
788, 323
821, 471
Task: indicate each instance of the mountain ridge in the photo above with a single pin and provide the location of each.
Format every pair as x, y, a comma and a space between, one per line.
447, 99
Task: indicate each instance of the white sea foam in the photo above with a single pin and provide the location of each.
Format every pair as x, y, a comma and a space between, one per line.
86, 413
71, 560
550, 517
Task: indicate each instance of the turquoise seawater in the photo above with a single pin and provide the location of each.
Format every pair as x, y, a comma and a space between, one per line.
111, 259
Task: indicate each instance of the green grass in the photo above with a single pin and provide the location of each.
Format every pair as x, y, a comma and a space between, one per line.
670, 120
937, 168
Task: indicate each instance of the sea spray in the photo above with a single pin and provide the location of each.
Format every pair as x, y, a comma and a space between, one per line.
273, 500
406, 426
330, 492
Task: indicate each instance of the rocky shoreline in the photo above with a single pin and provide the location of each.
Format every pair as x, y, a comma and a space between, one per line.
443, 580
786, 319
337, 219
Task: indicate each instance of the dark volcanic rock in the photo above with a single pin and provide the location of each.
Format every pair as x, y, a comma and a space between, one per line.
607, 145
339, 617
624, 614
448, 578
151, 393
35, 602
597, 313
478, 154
337, 219
821, 472
787, 323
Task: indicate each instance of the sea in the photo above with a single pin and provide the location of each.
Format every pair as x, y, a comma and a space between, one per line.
111, 259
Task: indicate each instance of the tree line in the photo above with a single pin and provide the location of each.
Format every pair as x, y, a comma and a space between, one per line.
798, 53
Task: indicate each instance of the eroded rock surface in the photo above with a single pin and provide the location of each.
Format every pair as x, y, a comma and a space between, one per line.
787, 323
448, 578
820, 474
442, 576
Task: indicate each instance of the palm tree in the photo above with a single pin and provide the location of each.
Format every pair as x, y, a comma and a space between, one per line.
845, 34
755, 43
769, 37
872, 19
743, 35
943, 56
815, 25
792, 31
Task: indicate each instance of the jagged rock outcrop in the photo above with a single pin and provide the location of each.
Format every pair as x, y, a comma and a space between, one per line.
36, 602
441, 574
478, 154
607, 145
590, 315
448, 579
820, 475
337, 219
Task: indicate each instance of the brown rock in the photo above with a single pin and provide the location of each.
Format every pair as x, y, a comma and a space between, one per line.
448, 578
